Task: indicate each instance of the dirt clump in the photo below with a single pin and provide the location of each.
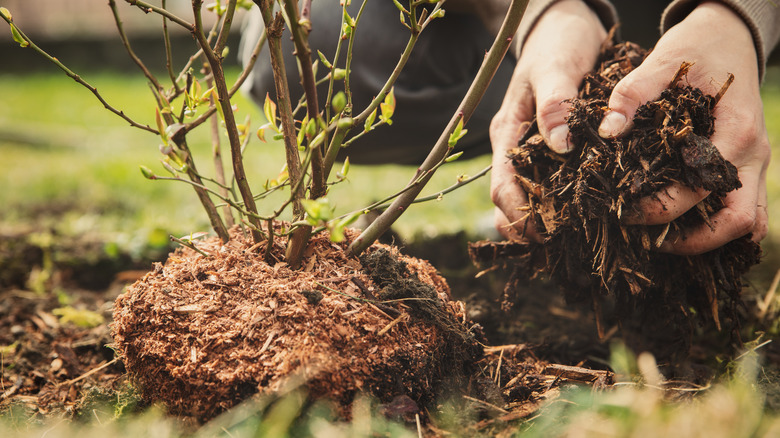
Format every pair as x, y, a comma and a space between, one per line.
203, 333
579, 201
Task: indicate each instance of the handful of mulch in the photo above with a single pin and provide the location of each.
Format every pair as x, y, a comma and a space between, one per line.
577, 202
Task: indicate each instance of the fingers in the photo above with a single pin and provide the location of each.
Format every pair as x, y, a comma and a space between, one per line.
663, 206
511, 202
641, 85
553, 92
745, 212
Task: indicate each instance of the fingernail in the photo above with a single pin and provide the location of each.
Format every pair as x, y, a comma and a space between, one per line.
612, 124
559, 139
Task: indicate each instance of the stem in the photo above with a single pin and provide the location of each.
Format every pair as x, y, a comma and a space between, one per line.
300, 36
274, 27
81, 81
125, 42
236, 86
215, 63
225, 30
439, 151
168, 54
203, 196
219, 167
147, 8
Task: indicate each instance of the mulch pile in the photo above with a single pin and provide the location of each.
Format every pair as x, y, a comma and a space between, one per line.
204, 333
577, 202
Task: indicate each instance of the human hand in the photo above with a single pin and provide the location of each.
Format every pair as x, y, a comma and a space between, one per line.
718, 42
563, 46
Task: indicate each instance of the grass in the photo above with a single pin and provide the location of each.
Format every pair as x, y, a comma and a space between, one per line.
60, 149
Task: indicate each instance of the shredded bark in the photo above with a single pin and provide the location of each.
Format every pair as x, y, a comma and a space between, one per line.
231, 325
578, 201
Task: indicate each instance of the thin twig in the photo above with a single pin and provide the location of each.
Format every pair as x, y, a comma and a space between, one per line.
89, 373
300, 36
215, 62
439, 151
81, 81
168, 54
126, 42
236, 86
274, 27
147, 8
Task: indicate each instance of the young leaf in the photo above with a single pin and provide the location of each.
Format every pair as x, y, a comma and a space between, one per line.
339, 101
324, 60
269, 109
215, 96
348, 20
400, 6
453, 157
387, 108
7, 14
336, 231
369, 125
147, 173
311, 128
344, 170
161, 126
457, 134
79, 317
339, 74
18, 36
317, 210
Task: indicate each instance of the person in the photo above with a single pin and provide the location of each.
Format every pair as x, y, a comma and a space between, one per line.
556, 45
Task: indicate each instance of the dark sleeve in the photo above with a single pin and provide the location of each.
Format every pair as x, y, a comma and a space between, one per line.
536, 8
761, 16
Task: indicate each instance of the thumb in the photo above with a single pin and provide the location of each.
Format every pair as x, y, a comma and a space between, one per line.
643, 84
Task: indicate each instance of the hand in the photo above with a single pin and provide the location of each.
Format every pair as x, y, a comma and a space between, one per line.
563, 46
718, 42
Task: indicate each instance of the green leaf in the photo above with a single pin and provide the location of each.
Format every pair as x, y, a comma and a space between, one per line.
317, 210
18, 36
349, 220
346, 31
311, 128
79, 317
161, 126
339, 74
339, 101
324, 60
387, 108
345, 123
269, 109
8, 349
369, 125
336, 231
344, 169
457, 134
453, 157
348, 20
6, 14
147, 173
319, 139
261, 131
400, 6
215, 96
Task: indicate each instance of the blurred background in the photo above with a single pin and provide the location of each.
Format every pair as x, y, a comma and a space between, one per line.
69, 166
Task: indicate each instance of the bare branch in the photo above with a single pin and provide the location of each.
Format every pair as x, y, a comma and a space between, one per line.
439, 151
